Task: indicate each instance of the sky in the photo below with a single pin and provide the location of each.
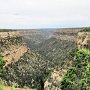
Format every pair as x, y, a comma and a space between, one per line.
28, 14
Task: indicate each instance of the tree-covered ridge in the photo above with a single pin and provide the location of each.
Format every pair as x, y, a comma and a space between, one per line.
7, 30
87, 29
55, 50
29, 71
78, 77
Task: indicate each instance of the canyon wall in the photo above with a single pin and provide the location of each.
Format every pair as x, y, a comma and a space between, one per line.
12, 46
83, 40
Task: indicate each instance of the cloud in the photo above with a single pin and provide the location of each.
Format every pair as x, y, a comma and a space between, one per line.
44, 13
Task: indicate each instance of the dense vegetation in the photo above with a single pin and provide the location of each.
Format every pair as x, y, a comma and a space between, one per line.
56, 50
78, 77
87, 29
2, 70
2, 63
29, 71
6, 30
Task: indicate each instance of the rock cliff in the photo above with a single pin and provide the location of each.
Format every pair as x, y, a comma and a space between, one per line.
83, 40
12, 46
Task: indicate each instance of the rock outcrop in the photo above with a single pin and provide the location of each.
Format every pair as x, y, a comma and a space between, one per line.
83, 40
12, 46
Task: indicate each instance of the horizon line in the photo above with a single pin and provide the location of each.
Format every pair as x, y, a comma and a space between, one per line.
41, 28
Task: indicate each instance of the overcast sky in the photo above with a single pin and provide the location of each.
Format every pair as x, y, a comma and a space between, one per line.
44, 13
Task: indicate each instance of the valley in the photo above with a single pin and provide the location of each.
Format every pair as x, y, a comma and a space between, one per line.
38, 59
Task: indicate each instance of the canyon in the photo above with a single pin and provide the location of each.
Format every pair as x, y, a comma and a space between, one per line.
38, 53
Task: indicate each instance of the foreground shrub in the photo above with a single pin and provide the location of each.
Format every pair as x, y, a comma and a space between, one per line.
13, 86
78, 77
1, 85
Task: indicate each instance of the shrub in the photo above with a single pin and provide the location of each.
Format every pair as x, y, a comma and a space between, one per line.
2, 63
1, 85
78, 77
13, 86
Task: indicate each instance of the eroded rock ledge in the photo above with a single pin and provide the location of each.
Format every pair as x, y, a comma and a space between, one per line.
83, 40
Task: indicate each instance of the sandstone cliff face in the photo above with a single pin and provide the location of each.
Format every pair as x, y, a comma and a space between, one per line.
14, 53
12, 46
83, 40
